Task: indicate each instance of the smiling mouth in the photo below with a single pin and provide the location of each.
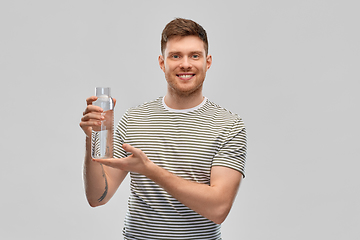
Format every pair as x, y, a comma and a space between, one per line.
185, 76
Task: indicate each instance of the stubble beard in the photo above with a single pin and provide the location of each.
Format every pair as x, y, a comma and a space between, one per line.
173, 89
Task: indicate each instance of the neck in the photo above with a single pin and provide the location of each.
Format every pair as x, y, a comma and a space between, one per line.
175, 101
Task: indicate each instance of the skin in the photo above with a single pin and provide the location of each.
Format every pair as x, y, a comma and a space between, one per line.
184, 56
185, 65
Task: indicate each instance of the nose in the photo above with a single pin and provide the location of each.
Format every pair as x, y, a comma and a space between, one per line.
185, 63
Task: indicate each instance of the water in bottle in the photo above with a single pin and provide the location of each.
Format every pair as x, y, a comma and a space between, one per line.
102, 136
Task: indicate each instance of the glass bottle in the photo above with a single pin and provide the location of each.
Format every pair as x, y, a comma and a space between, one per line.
102, 136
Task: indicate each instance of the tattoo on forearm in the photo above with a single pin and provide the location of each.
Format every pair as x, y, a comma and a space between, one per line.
106, 185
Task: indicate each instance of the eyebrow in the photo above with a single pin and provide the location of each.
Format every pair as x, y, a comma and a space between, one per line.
191, 53
172, 53
197, 52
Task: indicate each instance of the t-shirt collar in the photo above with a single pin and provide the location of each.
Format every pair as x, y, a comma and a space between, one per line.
183, 110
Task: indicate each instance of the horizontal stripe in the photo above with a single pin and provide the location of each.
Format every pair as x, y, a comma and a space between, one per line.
187, 144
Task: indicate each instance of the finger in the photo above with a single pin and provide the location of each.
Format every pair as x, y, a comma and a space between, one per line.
93, 116
128, 147
106, 162
133, 150
90, 100
85, 124
114, 101
92, 108
111, 162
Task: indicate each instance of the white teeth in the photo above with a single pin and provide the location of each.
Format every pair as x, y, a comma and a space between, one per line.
185, 76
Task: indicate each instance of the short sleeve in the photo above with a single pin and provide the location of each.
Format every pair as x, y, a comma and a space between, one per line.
232, 153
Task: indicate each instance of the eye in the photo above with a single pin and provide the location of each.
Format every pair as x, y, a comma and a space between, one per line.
175, 56
196, 56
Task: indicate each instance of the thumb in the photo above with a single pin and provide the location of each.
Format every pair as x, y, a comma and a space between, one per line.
135, 151
129, 148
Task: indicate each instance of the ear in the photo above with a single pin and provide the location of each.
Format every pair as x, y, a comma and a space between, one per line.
208, 61
162, 63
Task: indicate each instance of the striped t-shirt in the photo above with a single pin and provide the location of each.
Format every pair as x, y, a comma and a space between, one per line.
187, 143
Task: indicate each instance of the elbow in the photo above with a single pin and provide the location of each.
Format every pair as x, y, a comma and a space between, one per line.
219, 219
220, 214
95, 203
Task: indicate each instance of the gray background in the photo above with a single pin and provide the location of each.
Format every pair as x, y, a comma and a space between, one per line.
289, 68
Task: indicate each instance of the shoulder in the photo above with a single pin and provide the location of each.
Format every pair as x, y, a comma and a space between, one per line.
222, 114
146, 107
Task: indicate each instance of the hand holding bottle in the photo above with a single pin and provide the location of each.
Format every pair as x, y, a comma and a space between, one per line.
91, 116
98, 122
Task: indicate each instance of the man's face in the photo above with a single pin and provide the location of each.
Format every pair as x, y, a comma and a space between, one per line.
185, 64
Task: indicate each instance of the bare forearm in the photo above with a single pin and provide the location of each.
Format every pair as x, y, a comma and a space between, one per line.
101, 182
211, 201
95, 179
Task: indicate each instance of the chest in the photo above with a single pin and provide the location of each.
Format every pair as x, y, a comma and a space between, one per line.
184, 145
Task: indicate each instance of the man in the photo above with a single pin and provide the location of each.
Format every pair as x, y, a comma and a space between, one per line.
185, 154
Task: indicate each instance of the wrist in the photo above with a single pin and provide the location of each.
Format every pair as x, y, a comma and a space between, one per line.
152, 171
158, 174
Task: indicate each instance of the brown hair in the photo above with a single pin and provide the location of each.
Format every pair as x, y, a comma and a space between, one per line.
183, 27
